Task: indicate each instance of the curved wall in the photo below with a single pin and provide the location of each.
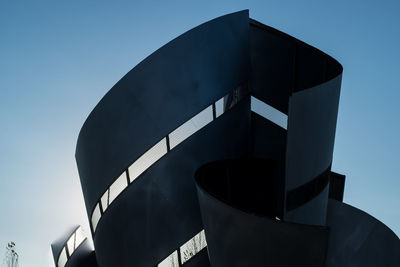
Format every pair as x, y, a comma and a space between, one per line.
160, 212
243, 238
358, 239
303, 83
222, 67
159, 94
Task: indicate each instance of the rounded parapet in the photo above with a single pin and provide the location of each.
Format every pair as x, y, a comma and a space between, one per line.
358, 239
236, 202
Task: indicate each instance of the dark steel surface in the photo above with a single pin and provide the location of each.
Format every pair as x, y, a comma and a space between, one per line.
239, 238
303, 82
269, 142
336, 186
311, 135
358, 239
272, 65
83, 256
307, 192
160, 93
200, 260
159, 212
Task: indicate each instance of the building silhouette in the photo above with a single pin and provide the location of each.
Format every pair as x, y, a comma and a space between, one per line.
217, 150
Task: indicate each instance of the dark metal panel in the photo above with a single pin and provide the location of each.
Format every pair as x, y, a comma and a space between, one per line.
237, 238
159, 211
269, 142
358, 239
163, 91
83, 256
272, 66
336, 186
310, 67
314, 210
308, 191
199, 260
311, 134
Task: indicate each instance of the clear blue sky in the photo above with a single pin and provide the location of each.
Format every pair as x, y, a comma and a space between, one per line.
58, 58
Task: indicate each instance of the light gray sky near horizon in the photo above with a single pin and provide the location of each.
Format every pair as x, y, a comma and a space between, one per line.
57, 59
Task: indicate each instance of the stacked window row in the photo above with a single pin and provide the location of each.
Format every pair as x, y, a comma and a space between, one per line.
171, 141
72, 244
152, 155
185, 252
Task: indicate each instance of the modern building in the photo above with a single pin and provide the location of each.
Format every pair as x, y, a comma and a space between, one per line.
217, 150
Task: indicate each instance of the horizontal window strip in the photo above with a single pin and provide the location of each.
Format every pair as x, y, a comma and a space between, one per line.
268, 112
105, 199
166, 144
170, 261
71, 245
96, 217
62, 259
117, 187
186, 251
193, 246
190, 127
147, 159
219, 107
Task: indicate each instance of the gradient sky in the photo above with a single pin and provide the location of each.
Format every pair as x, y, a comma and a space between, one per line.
58, 58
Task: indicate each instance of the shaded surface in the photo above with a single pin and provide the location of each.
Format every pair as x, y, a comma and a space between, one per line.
159, 94
83, 256
358, 239
336, 186
237, 238
311, 135
159, 212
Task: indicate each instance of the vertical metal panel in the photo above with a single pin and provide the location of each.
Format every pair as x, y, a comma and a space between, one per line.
269, 141
310, 67
311, 135
336, 186
272, 65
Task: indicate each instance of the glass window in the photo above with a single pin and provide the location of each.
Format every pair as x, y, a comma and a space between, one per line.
96, 217
190, 127
71, 244
118, 186
80, 237
219, 107
193, 246
268, 112
104, 200
170, 261
62, 259
147, 159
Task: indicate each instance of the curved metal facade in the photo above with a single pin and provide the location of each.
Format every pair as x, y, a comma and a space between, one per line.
230, 88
